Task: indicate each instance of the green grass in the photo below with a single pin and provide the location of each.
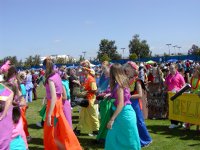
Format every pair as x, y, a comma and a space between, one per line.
163, 138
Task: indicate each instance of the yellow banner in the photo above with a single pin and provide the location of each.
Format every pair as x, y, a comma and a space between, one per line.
185, 108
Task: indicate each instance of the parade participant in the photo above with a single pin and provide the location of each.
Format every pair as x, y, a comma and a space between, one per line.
157, 96
11, 116
105, 102
123, 132
21, 78
174, 82
41, 76
88, 119
195, 88
6, 124
136, 87
34, 81
73, 83
104, 78
58, 134
66, 97
29, 86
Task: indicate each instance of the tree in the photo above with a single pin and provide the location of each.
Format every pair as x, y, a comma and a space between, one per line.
13, 60
28, 62
70, 60
36, 60
194, 50
20, 63
165, 54
105, 58
61, 60
133, 56
140, 48
109, 48
81, 58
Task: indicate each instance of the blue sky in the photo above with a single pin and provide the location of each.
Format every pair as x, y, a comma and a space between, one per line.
45, 27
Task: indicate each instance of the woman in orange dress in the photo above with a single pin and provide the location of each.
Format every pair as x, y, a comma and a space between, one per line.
58, 134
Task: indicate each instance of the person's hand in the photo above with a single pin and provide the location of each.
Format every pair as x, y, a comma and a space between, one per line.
110, 123
49, 121
107, 95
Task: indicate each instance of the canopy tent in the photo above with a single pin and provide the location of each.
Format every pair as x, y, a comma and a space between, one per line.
92, 65
150, 62
188, 60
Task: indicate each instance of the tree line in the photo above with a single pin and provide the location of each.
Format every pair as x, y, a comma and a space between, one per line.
107, 51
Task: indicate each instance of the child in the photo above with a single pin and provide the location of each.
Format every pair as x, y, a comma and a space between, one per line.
195, 89
21, 79
123, 118
57, 131
131, 70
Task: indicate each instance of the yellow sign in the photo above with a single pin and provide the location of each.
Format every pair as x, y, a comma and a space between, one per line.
185, 108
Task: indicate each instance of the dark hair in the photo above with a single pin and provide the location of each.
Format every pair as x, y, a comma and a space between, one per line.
16, 114
12, 71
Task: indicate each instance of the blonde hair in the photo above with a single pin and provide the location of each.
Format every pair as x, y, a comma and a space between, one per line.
105, 63
21, 76
117, 75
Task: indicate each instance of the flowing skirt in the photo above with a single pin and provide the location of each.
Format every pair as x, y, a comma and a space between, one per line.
25, 124
88, 119
17, 144
145, 138
124, 133
67, 111
105, 113
60, 133
6, 127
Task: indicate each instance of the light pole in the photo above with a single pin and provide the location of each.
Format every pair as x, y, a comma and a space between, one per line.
123, 52
169, 48
84, 52
174, 49
179, 49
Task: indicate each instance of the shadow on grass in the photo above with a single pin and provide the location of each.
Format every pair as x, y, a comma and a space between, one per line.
88, 144
36, 141
75, 117
33, 126
177, 132
35, 148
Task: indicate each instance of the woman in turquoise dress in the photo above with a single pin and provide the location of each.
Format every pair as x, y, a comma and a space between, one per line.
123, 132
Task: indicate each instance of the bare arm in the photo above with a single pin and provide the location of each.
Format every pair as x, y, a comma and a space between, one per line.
77, 82
7, 105
22, 99
139, 92
120, 94
53, 101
